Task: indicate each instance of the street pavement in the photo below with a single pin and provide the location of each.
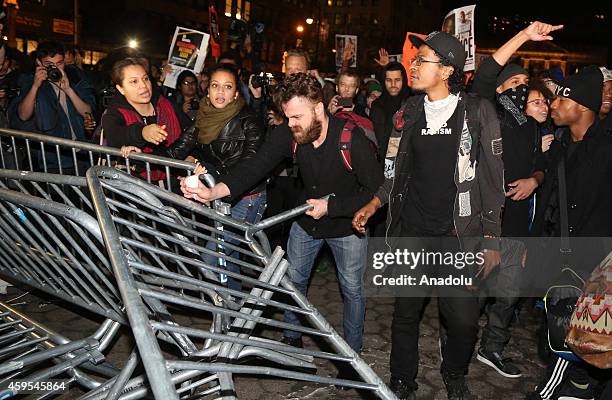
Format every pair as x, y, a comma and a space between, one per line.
324, 293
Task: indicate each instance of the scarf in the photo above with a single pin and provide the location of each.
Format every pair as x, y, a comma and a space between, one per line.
211, 120
514, 101
439, 111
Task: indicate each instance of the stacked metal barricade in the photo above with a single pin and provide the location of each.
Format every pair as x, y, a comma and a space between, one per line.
117, 243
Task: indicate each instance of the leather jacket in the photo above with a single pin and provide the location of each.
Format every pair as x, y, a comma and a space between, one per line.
239, 140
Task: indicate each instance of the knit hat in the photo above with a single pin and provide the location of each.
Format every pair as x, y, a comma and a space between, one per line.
374, 86
508, 72
584, 88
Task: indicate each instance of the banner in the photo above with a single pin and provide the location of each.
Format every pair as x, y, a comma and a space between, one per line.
409, 52
213, 18
460, 23
187, 51
343, 41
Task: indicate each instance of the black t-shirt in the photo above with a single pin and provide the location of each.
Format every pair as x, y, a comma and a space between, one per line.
431, 196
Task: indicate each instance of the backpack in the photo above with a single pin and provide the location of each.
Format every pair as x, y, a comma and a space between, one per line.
344, 146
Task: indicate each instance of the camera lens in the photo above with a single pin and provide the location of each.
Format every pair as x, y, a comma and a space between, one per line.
257, 82
54, 74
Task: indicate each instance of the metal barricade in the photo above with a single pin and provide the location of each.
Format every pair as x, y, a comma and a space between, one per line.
37, 250
163, 258
29, 151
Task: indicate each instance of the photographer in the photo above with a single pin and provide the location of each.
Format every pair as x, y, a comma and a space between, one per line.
186, 100
55, 100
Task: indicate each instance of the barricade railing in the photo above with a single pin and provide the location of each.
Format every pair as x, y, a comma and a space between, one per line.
28, 347
164, 258
20, 150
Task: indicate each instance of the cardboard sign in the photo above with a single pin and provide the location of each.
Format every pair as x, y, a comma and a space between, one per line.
187, 51
460, 23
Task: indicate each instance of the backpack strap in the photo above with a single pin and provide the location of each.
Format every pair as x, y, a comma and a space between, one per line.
345, 145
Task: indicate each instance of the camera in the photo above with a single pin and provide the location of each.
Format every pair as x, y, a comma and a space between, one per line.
53, 73
194, 104
106, 95
264, 79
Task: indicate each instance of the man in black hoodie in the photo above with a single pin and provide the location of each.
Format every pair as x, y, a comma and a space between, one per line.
394, 92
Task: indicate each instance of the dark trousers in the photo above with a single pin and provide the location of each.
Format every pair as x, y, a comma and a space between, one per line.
283, 195
459, 309
504, 287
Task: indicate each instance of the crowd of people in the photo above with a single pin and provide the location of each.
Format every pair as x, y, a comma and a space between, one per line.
440, 157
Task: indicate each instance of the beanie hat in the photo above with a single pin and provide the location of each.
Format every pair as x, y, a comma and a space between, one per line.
508, 72
374, 86
584, 88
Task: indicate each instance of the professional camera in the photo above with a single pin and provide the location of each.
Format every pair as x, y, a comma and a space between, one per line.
264, 79
53, 73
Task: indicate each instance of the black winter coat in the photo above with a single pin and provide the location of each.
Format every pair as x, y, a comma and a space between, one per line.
239, 140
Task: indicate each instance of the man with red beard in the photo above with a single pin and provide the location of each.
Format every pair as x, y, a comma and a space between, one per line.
315, 145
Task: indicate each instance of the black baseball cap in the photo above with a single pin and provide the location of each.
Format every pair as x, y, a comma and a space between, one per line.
444, 44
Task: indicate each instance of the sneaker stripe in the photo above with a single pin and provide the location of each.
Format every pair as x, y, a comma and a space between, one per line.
555, 379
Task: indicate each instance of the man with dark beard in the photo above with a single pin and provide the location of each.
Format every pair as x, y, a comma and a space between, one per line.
315, 142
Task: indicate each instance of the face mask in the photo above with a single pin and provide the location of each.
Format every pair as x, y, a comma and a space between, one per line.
514, 101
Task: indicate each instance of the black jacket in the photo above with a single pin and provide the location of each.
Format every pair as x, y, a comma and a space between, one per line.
522, 149
589, 185
481, 180
352, 190
239, 140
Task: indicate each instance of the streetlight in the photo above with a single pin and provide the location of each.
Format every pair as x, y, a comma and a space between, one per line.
309, 21
133, 43
300, 28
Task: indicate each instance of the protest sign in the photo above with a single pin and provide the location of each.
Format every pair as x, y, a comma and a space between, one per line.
342, 42
187, 51
460, 23
395, 58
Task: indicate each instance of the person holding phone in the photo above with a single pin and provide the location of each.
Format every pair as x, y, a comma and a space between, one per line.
347, 87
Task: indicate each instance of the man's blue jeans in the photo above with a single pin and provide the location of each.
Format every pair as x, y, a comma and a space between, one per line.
249, 209
350, 254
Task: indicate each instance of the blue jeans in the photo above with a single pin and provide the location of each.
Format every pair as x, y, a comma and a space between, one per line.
350, 254
249, 209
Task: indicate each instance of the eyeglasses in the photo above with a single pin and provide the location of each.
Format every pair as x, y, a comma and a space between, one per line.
539, 102
418, 61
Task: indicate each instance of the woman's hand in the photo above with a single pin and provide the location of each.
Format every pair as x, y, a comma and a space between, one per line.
126, 150
154, 133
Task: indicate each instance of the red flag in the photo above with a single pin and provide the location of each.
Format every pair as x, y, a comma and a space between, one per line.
409, 52
214, 32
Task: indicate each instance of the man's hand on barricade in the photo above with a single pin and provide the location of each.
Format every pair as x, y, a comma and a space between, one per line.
319, 209
539, 31
154, 133
361, 217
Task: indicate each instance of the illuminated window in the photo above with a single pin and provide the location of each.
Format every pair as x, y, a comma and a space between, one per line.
239, 9
20, 44
228, 8
247, 10
31, 46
